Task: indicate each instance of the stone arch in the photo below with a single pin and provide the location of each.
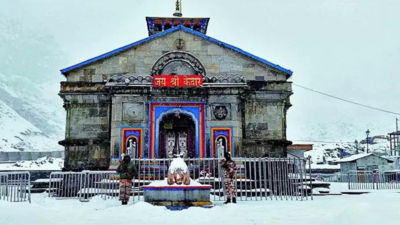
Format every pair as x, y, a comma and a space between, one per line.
178, 57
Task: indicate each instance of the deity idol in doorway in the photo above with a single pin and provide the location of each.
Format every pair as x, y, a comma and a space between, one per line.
132, 148
220, 148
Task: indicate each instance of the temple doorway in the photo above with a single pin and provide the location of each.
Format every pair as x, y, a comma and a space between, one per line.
177, 136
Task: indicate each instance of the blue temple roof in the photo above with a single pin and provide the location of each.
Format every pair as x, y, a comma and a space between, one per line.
177, 28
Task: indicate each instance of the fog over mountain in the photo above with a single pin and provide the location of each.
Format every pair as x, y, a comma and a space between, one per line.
31, 113
346, 48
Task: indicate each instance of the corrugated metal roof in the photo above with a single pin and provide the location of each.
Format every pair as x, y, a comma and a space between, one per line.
177, 28
359, 156
354, 157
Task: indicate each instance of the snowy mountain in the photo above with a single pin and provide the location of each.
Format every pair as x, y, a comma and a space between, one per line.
31, 113
323, 153
18, 134
37, 103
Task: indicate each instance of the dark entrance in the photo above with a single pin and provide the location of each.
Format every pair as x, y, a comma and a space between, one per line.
177, 136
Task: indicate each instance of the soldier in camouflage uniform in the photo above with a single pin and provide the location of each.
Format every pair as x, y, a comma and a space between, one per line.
229, 167
126, 171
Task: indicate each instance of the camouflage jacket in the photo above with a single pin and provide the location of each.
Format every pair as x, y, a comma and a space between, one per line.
229, 168
127, 171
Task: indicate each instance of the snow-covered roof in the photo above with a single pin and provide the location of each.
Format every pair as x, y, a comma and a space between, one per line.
177, 28
325, 166
359, 156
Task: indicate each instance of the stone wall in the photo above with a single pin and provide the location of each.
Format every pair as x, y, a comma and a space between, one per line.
95, 114
234, 116
217, 61
128, 110
87, 131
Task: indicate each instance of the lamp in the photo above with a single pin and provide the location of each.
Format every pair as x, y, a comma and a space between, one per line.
367, 132
356, 144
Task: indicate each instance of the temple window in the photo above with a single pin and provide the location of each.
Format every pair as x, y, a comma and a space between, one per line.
197, 27
167, 26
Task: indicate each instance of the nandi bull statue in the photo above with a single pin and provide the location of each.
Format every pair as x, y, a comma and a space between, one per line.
178, 190
178, 172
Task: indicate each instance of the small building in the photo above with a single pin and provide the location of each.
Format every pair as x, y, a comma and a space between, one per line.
362, 162
391, 167
299, 149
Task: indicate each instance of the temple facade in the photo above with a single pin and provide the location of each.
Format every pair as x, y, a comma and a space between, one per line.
177, 91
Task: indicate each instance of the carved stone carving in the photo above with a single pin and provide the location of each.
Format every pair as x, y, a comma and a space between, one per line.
132, 111
225, 79
186, 60
122, 79
180, 44
220, 112
178, 68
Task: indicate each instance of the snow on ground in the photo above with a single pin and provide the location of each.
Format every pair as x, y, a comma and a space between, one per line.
369, 209
325, 166
45, 163
18, 134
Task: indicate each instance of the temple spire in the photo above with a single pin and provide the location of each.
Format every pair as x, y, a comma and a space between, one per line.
178, 8
156, 24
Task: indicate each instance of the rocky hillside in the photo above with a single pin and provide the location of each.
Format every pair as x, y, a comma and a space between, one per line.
31, 113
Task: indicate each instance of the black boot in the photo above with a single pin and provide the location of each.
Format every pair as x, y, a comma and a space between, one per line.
228, 200
234, 200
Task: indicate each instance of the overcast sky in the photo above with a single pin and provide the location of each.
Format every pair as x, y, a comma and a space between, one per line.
347, 48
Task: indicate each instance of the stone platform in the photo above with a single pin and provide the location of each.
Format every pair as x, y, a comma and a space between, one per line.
177, 196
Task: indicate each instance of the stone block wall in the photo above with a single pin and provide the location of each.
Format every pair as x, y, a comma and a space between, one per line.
128, 110
233, 104
217, 61
95, 114
87, 131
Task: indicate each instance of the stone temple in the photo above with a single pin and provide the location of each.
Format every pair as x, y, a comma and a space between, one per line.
178, 91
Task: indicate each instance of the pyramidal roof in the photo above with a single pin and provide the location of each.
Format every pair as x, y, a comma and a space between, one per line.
174, 29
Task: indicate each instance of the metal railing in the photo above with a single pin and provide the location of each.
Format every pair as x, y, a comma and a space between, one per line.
65, 185
256, 179
369, 180
83, 185
15, 186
